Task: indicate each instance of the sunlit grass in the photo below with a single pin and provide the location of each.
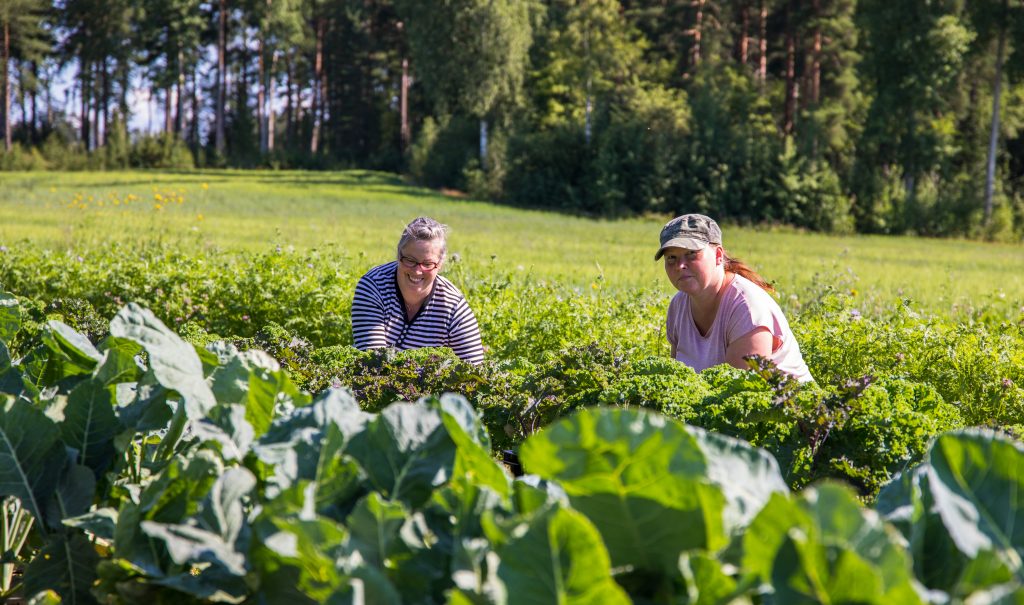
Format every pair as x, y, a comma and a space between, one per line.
361, 214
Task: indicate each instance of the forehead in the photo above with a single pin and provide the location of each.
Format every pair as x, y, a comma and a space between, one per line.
677, 251
422, 249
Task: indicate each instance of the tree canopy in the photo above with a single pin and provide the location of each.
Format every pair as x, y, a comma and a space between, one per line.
836, 115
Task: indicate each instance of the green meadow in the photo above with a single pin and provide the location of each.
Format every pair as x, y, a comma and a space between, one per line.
359, 215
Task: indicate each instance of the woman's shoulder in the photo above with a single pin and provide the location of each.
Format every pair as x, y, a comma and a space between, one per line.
680, 300
746, 293
446, 288
380, 271
379, 277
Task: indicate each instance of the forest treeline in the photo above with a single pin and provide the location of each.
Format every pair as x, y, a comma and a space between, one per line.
875, 116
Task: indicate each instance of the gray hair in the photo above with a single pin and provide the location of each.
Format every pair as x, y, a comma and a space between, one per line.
424, 229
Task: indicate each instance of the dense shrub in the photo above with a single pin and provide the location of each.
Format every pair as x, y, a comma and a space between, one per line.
973, 364
442, 151
636, 165
550, 169
20, 158
733, 165
160, 151
814, 196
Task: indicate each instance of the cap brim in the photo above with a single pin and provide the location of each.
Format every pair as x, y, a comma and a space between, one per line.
688, 243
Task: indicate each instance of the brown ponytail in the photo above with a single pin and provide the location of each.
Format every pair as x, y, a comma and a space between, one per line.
734, 265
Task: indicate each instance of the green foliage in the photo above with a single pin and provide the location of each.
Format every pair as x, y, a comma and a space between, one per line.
118, 148
493, 37
442, 150
658, 383
378, 378
860, 432
909, 127
160, 151
258, 292
549, 166
970, 364
585, 55
648, 487
145, 151
61, 153
271, 492
19, 158
638, 153
732, 165
961, 532
831, 115
815, 195
821, 547
887, 428
973, 360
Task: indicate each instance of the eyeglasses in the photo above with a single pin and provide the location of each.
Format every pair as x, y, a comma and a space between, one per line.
412, 263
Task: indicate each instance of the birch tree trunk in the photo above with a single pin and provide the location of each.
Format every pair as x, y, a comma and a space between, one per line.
789, 116
289, 107
993, 137
101, 138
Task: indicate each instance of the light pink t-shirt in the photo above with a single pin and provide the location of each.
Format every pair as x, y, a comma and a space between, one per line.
744, 307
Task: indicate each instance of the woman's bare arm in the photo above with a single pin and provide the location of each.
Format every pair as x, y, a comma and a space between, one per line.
758, 341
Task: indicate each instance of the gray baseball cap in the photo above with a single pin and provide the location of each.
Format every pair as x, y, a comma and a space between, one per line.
689, 231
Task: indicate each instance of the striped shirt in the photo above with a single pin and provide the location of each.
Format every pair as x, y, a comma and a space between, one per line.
444, 319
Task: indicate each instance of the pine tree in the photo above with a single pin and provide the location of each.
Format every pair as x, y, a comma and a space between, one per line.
23, 36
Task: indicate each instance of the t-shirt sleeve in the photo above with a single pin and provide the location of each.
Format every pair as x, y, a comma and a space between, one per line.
671, 323
369, 323
747, 313
464, 334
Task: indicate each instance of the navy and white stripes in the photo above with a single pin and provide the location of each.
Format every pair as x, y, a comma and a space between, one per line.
444, 320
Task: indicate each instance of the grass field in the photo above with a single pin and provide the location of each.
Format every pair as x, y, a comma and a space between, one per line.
359, 215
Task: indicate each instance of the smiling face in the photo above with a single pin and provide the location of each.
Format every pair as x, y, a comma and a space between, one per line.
694, 271
415, 281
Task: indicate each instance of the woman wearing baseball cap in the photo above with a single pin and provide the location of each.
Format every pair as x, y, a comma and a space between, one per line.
723, 311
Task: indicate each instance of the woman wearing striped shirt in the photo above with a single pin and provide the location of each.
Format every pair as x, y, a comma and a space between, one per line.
405, 304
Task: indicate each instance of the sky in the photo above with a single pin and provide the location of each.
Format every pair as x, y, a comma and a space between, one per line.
147, 115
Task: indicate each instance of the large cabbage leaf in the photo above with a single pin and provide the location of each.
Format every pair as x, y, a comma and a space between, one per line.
961, 512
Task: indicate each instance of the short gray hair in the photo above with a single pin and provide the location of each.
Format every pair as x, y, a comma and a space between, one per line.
424, 229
